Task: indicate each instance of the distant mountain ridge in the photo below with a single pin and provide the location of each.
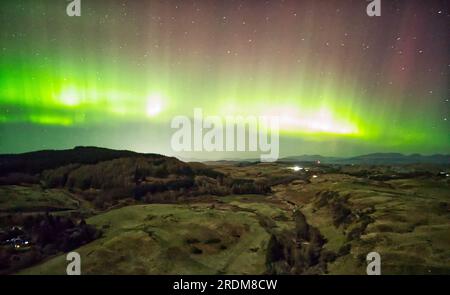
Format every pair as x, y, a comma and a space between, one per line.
374, 159
38, 161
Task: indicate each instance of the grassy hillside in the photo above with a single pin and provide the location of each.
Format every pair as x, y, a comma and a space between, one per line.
407, 221
170, 239
15, 198
35, 162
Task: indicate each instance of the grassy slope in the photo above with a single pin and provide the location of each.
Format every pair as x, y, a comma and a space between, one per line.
158, 239
32, 198
410, 232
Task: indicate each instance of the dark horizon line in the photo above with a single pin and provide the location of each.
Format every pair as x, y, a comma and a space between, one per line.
186, 159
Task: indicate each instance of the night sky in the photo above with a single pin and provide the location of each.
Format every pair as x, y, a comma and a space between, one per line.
343, 83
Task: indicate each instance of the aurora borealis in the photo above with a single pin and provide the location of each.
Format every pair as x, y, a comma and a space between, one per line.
343, 83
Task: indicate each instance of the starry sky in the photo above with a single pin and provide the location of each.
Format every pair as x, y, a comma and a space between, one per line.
342, 83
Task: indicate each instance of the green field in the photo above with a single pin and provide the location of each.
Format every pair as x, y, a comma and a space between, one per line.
170, 239
33, 198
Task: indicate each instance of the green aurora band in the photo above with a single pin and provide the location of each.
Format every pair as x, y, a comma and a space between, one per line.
341, 80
